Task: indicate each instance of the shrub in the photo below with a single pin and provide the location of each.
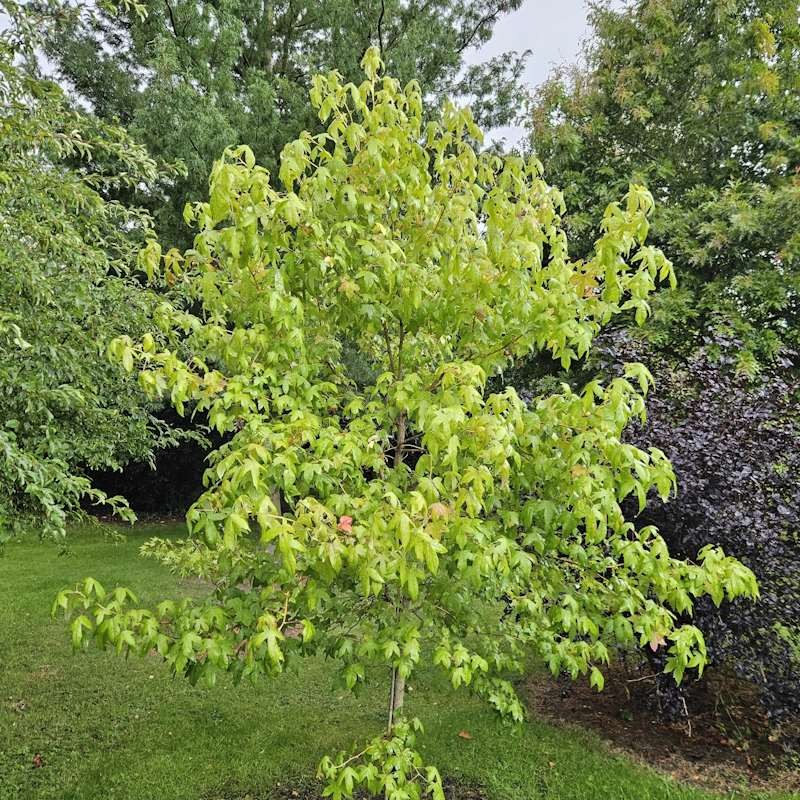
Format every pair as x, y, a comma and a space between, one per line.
734, 443
68, 285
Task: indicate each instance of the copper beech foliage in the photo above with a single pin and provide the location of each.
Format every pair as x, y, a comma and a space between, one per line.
734, 443
396, 521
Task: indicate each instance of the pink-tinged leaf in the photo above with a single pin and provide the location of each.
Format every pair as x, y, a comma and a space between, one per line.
345, 524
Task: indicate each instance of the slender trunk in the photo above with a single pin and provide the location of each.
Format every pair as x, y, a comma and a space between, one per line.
275, 496
398, 688
401, 439
397, 693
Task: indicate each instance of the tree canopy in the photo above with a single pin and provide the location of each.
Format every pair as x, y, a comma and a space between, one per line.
700, 102
411, 516
188, 79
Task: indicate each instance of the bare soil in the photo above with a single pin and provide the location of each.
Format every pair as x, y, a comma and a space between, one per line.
721, 745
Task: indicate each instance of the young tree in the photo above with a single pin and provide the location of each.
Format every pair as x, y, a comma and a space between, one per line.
67, 257
191, 77
411, 516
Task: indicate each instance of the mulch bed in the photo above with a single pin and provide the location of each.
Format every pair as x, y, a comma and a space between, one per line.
720, 746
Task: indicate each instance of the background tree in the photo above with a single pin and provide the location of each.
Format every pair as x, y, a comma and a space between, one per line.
421, 517
191, 78
699, 101
67, 287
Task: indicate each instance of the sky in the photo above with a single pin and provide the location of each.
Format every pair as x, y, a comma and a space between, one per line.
552, 29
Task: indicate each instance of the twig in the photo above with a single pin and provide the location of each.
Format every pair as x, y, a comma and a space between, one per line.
380, 21
688, 718
470, 37
643, 678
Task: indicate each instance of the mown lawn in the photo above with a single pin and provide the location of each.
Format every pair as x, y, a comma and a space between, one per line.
102, 727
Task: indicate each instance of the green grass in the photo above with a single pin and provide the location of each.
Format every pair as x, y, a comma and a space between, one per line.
111, 728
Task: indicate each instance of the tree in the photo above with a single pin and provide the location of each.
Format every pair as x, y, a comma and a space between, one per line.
190, 78
413, 515
67, 286
698, 101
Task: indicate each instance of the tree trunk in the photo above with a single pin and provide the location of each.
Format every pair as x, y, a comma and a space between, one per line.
400, 439
396, 696
398, 688
275, 496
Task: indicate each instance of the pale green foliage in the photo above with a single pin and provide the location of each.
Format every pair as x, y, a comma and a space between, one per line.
700, 101
422, 518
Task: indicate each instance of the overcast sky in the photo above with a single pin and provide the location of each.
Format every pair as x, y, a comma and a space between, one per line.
552, 29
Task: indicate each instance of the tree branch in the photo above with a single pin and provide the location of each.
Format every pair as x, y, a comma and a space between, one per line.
172, 20
380, 22
491, 17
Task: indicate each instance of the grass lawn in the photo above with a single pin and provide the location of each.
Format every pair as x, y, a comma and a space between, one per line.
109, 728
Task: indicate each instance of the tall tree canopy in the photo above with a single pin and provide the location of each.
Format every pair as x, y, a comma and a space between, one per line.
191, 78
67, 287
421, 517
700, 101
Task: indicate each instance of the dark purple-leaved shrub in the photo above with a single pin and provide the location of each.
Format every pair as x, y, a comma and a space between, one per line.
735, 447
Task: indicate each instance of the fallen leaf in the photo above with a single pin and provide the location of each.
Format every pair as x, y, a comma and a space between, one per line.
465, 734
